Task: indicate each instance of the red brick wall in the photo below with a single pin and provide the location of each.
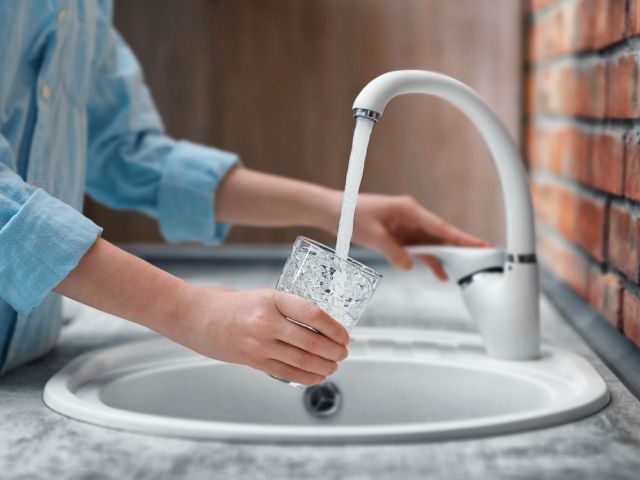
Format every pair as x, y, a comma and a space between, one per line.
582, 106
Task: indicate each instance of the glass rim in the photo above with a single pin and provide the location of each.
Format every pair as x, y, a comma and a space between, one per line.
332, 252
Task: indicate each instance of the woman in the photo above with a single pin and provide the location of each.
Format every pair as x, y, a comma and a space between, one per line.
76, 117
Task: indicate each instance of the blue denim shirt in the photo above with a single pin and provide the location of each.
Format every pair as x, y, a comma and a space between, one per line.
76, 117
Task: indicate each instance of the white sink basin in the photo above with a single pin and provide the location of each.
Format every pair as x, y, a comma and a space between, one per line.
397, 384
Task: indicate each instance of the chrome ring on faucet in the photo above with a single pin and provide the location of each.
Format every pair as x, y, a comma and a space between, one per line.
522, 258
366, 113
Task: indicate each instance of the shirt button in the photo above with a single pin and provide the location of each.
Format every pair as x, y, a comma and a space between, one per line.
61, 14
46, 92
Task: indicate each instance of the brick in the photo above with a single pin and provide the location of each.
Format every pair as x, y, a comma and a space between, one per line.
536, 145
605, 295
546, 202
560, 150
631, 316
603, 291
579, 218
583, 32
543, 204
624, 74
609, 22
576, 151
595, 159
576, 26
589, 225
559, 31
570, 266
553, 88
632, 166
545, 87
590, 90
633, 26
623, 240
576, 89
535, 5
565, 207
607, 161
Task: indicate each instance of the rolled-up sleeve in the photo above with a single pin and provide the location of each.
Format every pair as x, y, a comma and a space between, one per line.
41, 239
133, 165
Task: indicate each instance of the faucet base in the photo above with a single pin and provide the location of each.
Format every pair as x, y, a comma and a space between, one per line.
505, 307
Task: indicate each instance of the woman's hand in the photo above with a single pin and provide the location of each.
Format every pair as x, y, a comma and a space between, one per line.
251, 328
389, 223
386, 223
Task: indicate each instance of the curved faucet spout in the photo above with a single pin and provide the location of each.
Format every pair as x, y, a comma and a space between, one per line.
374, 97
503, 301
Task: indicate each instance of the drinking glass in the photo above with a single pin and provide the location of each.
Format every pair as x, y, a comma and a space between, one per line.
342, 287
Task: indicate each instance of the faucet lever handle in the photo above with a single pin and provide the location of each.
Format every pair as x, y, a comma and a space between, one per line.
460, 262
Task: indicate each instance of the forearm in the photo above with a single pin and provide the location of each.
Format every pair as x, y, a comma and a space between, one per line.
249, 328
247, 197
114, 281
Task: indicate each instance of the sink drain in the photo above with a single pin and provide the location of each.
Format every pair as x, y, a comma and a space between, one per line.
323, 400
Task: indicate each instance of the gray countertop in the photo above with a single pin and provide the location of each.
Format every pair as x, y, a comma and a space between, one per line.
38, 443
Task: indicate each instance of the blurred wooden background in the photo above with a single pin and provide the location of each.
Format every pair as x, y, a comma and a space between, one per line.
274, 80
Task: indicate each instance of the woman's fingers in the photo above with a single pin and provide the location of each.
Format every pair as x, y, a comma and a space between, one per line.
303, 311
288, 372
301, 359
395, 253
452, 235
310, 341
436, 267
447, 233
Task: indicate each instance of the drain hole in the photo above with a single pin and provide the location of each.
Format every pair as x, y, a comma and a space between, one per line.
323, 400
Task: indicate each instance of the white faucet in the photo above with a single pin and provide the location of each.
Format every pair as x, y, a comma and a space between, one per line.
500, 288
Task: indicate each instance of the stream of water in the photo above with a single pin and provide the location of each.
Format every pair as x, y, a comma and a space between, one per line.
352, 184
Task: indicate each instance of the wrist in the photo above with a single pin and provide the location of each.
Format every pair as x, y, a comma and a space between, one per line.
176, 309
327, 214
